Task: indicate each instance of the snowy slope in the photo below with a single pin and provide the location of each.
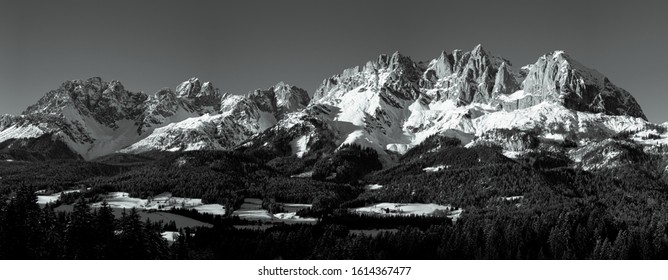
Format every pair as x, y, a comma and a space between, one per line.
238, 118
20, 132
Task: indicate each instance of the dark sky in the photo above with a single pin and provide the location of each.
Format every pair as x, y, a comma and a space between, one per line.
244, 45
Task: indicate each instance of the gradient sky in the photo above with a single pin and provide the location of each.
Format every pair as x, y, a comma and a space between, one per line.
244, 45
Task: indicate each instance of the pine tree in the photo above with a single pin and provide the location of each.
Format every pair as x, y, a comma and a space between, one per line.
132, 240
105, 226
52, 235
21, 234
80, 232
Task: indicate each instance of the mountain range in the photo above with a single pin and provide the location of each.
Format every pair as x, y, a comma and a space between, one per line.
390, 104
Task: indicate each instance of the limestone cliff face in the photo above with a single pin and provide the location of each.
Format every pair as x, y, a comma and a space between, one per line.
478, 76
559, 78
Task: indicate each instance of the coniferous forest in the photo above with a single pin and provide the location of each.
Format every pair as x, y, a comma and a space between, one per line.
535, 207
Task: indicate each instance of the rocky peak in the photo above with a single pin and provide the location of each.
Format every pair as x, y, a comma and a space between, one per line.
559, 78
106, 102
396, 74
7, 121
437, 69
476, 76
280, 99
504, 82
207, 90
290, 98
264, 98
189, 88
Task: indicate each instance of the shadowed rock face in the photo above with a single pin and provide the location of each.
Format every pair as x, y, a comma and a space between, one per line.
280, 99
557, 77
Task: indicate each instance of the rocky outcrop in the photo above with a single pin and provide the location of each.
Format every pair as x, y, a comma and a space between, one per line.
558, 78
239, 118
396, 74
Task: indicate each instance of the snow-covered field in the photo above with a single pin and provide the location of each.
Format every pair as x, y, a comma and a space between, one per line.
260, 214
164, 201
44, 199
252, 210
171, 236
293, 216
373, 187
388, 208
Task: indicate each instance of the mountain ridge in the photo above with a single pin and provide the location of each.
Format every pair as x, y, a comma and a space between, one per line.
390, 104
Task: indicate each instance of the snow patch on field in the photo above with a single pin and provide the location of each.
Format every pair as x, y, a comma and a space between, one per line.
171, 236
44, 199
293, 216
260, 214
436, 168
388, 208
213, 209
299, 205
512, 198
373, 187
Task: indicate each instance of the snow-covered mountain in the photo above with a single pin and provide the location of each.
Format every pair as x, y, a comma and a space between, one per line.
393, 103
390, 104
236, 119
96, 118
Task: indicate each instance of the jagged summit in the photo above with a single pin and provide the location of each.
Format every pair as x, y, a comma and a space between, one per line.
559, 78
478, 76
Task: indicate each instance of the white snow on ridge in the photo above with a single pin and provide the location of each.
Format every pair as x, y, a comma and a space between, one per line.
557, 121
557, 137
651, 137
436, 168
20, 132
374, 187
520, 94
170, 137
513, 154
